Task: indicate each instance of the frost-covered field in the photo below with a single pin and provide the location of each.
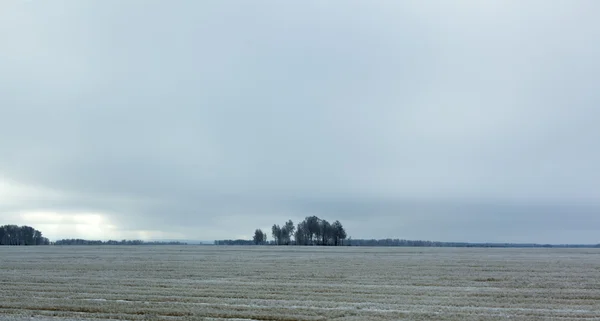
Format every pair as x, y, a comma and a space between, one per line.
297, 283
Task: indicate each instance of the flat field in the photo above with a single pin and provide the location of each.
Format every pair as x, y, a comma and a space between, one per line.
297, 283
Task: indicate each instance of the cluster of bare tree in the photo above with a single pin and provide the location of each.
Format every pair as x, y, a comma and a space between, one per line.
260, 238
283, 235
21, 235
311, 231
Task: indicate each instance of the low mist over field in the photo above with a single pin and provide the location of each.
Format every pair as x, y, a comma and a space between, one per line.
188, 120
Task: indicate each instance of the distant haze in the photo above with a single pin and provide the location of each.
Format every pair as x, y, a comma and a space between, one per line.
451, 121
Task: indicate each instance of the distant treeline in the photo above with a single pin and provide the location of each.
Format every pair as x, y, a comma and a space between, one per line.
419, 243
21, 235
112, 242
399, 242
311, 231
240, 242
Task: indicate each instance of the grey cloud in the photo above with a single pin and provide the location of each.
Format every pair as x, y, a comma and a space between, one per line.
188, 116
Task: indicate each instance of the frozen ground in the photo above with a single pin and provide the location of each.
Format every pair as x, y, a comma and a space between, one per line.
297, 283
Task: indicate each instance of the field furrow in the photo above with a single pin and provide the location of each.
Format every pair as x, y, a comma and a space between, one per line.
297, 283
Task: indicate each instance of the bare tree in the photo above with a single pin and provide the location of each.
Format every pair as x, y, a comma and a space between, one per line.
339, 234
301, 235
259, 237
277, 234
289, 231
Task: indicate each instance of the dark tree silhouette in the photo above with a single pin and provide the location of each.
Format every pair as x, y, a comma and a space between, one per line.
21, 235
287, 232
301, 236
259, 237
277, 234
313, 226
311, 231
339, 234
326, 233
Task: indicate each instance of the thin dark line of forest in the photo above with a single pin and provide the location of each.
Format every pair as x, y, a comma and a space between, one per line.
26, 235
419, 243
313, 231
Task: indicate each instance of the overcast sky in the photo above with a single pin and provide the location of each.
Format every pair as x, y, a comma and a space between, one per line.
451, 121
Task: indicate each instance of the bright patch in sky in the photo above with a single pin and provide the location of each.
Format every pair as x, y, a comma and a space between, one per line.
72, 225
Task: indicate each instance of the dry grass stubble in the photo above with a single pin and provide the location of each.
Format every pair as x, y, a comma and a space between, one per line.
297, 283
